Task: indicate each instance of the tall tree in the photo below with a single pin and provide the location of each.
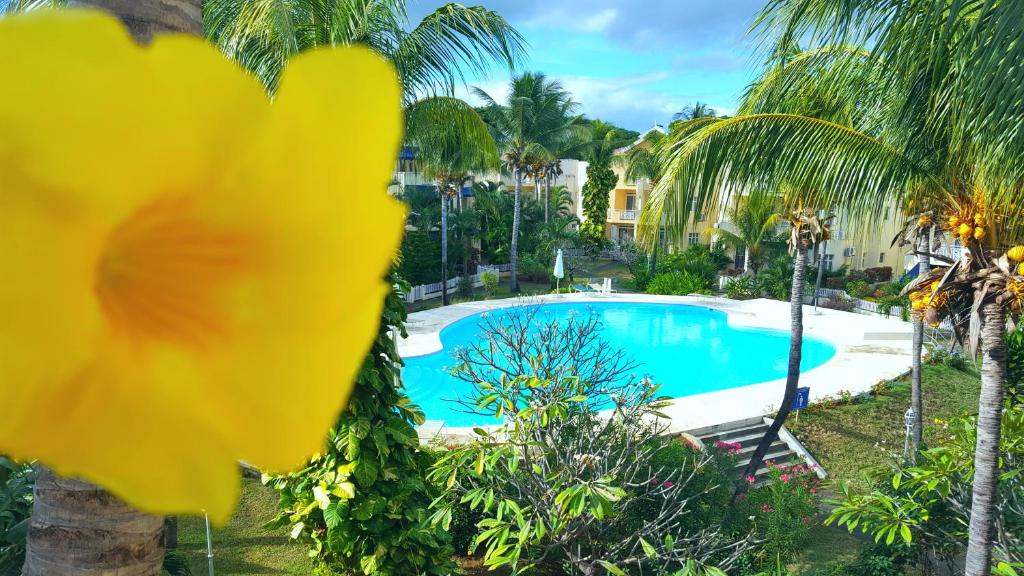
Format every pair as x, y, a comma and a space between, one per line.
537, 118
451, 141
935, 112
599, 152
78, 527
432, 56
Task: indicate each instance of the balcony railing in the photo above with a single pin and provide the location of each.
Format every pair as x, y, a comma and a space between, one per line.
624, 215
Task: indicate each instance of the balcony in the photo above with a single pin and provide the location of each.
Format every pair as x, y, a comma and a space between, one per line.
622, 215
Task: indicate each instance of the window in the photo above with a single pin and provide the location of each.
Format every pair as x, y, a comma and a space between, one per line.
881, 257
692, 238
826, 262
625, 235
740, 261
630, 202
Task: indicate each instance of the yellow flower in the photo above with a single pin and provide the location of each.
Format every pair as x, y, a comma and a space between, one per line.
192, 276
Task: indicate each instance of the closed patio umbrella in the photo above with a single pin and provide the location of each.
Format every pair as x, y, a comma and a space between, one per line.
559, 269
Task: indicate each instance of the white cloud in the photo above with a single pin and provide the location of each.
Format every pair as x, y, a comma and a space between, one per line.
599, 22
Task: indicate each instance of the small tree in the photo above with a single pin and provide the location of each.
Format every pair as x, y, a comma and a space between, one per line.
600, 181
561, 485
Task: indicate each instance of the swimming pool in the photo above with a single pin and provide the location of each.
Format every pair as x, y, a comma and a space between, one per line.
688, 349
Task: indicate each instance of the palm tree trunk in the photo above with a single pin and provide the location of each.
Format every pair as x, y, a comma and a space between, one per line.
796, 339
924, 246
444, 244
821, 270
547, 196
146, 18
514, 251
78, 528
986, 455
652, 262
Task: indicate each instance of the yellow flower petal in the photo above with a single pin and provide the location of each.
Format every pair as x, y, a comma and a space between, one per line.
197, 275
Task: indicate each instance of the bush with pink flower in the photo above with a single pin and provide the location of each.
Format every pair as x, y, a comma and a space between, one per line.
783, 510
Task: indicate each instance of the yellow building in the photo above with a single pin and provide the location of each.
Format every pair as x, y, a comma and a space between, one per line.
855, 248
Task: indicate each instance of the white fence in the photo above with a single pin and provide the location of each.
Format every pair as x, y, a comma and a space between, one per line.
862, 305
428, 291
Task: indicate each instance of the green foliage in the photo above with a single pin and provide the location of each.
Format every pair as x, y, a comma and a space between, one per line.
698, 259
431, 56
678, 284
742, 288
927, 505
784, 510
421, 258
776, 278
560, 487
954, 359
16, 481
362, 504
600, 181
490, 282
858, 289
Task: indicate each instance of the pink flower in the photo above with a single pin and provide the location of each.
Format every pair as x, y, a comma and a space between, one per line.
784, 477
814, 490
767, 509
668, 484
751, 479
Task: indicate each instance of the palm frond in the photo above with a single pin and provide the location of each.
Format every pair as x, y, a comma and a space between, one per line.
811, 161
449, 136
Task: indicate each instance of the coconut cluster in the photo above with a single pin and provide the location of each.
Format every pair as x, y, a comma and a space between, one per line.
927, 300
967, 225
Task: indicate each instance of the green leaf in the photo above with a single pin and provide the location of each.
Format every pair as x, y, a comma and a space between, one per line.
612, 568
905, 533
649, 550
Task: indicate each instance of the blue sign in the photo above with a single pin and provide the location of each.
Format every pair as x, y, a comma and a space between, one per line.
803, 398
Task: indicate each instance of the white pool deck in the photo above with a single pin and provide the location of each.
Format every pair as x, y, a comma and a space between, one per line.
869, 349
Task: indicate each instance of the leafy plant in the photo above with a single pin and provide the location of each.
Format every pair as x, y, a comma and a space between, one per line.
490, 282
858, 289
561, 486
742, 288
16, 481
927, 505
784, 509
600, 180
678, 284
362, 503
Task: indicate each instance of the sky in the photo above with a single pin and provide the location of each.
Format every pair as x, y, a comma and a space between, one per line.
631, 62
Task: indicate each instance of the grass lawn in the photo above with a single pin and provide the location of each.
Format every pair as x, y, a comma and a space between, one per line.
244, 546
847, 439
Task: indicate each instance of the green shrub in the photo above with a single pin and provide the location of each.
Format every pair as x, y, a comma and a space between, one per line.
420, 261
678, 284
562, 489
953, 358
742, 288
490, 282
783, 510
362, 503
16, 481
858, 289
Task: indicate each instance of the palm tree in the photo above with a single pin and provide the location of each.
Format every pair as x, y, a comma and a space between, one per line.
806, 231
431, 57
536, 120
451, 141
697, 110
935, 113
755, 217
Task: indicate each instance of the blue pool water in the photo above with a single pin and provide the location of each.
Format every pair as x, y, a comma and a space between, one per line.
687, 349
